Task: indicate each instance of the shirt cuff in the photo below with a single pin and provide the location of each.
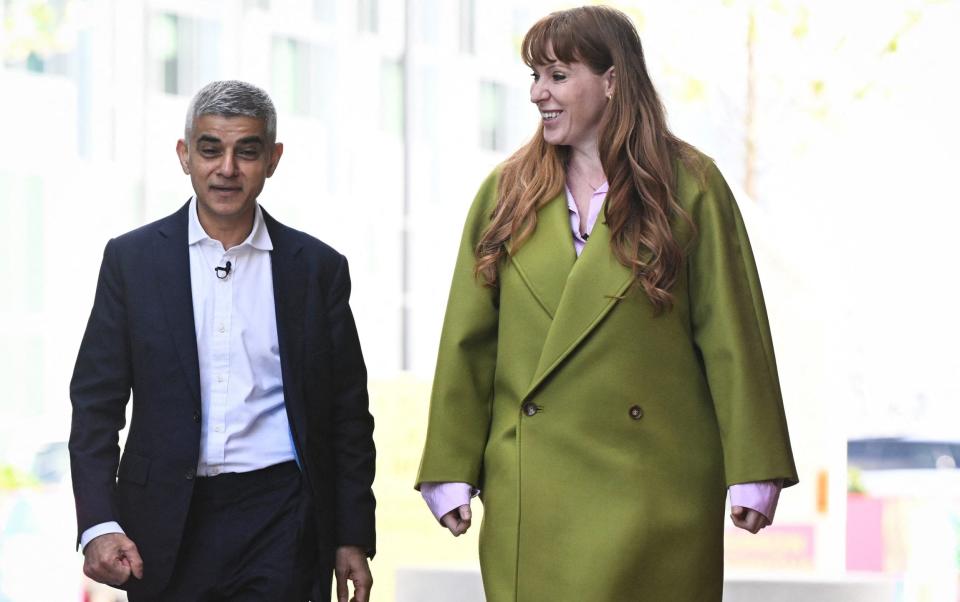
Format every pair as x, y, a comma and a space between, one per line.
761, 496
97, 531
444, 497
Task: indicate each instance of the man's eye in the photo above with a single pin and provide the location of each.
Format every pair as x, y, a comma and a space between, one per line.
209, 152
248, 154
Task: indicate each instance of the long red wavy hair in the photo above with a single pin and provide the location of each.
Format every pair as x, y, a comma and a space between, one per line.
637, 152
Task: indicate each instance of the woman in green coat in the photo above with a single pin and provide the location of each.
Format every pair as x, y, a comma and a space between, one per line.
605, 370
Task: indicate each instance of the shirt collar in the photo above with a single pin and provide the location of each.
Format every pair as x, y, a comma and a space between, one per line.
259, 237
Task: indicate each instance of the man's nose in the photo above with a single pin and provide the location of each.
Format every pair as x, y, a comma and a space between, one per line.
228, 165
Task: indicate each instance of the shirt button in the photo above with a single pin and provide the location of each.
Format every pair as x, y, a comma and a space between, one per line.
530, 408
219, 378
191, 472
214, 472
221, 329
636, 412
218, 428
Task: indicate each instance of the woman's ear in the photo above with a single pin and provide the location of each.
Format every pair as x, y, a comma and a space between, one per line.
609, 82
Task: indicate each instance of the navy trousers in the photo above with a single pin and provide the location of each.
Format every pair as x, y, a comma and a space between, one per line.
249, 537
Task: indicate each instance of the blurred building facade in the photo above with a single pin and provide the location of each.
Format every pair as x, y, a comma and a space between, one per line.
393, 112
95, 91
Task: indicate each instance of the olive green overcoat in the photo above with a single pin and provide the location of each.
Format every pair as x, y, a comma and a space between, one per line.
603, 436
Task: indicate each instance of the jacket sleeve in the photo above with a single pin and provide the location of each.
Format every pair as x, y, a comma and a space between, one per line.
99, 391
352, 431
732, 334
459, 418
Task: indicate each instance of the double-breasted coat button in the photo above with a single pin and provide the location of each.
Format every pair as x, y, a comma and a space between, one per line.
196, 416
191, 472
530, 408
636, 412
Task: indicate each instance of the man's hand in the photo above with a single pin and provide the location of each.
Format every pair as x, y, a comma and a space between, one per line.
111, 558
748, 518
351, 564
457, 520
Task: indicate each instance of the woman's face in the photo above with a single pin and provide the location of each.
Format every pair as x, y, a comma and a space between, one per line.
571, 99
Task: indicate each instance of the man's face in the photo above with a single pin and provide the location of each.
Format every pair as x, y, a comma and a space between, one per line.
228, 159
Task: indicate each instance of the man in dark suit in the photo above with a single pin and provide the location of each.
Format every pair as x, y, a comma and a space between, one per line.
247, 470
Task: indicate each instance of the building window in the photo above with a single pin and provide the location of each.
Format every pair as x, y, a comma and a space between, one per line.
391, 97
303, 77
185, 52
429, 26
368, 16
493, 116
467, 26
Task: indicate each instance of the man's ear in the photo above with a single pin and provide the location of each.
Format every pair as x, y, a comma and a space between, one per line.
184, 154
274, 158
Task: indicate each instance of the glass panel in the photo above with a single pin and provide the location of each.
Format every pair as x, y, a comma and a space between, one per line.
321, 70
467, 26
325, 10
391, 97
287, 78
429, 14
367, 16
492, 115
206, 54
164, 41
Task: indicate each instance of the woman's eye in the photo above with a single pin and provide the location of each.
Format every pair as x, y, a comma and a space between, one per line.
535, 76
559, 77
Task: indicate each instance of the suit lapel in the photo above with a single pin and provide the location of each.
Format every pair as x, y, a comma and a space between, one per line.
172, 270
289, 294
544, 261
595, 284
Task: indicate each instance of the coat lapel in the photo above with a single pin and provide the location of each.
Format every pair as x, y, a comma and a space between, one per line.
544, 261
595, 284
172, 269
289, 293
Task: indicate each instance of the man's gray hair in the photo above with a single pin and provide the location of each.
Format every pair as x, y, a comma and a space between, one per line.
232, 98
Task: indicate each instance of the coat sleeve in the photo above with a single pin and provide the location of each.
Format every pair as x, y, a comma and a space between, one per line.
732, 334
459, 419
352, 423
99, 391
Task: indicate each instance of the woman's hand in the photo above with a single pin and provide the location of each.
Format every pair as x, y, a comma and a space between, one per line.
457, 520
747, 518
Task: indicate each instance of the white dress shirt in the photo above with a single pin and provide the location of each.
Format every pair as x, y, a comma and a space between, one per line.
244, 423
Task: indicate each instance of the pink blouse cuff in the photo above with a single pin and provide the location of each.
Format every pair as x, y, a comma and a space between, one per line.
761, 496
444, 497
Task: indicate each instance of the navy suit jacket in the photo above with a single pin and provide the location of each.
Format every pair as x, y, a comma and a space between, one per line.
141, 339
